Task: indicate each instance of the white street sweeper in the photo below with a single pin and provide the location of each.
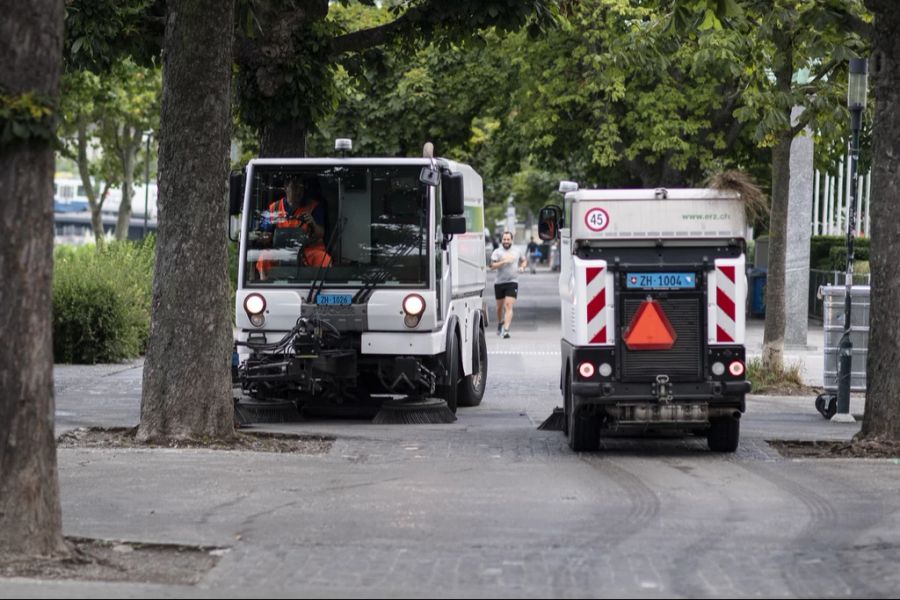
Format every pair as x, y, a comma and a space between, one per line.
360, 284
652, 289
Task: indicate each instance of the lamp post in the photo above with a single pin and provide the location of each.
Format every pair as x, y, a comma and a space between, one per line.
146, 183
856, 102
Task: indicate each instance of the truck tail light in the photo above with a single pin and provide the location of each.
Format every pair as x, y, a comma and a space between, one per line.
586, 370
736, 368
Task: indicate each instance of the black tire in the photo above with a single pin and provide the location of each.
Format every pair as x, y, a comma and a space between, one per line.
450, 392
582, 430
471, 388
724, 434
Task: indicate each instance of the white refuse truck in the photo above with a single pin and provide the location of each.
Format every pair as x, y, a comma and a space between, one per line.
652, 288
375, 295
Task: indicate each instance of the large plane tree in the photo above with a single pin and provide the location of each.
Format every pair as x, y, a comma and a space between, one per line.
31, 37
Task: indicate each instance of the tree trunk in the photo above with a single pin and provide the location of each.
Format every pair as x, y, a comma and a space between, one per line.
31, 37
187, 372
130, 143
95, 203
283, 140
882, 412
773, 335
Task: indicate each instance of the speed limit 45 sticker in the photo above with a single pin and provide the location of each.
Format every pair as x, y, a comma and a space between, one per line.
596, 219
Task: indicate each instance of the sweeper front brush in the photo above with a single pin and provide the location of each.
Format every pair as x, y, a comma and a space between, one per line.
414, 412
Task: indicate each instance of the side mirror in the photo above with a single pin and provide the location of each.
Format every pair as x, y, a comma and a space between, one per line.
453, 224
235, 192
548, 223
452, 197
429, 176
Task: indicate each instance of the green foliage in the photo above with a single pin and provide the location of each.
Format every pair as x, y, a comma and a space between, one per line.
787, 380
101, 301
837, 255
829, 252
101, 32
109, 111
25, 117
616, 98
290, 58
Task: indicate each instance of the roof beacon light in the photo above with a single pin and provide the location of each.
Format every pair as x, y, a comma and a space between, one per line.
343, 144
567, 186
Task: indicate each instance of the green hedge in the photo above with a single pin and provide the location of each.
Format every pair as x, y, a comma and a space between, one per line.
101, 301
829, 252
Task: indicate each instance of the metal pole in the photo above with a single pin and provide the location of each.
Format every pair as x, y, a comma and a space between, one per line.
146, 184
845, 364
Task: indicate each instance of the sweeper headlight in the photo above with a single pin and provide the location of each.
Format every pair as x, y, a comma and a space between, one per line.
414, 307
255, 305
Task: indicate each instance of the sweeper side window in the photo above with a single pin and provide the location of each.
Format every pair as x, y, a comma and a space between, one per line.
373, 220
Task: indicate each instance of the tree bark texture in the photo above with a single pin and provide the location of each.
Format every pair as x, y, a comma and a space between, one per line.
283, 140
31, 35
187, 372
882, 412
773, 335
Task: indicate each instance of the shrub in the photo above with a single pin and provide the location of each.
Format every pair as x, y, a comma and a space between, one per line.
101, 301
838, 255
829, 252
789, 380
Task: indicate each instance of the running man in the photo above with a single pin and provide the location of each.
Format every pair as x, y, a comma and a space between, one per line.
508, 262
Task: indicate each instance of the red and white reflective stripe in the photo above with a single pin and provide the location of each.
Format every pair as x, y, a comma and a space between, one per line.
726, 303
595, 286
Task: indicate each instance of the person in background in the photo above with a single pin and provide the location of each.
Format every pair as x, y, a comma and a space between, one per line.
533, 254
508, 261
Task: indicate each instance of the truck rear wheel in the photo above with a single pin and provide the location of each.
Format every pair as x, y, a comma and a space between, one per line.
724, 434
471, 388
582, 430
584, 433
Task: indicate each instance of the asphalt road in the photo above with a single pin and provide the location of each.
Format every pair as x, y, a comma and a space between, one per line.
488, 506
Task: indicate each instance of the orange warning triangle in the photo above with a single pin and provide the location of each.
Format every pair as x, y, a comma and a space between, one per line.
650, 329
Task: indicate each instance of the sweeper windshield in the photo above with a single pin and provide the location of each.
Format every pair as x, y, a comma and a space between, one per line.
346, 226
